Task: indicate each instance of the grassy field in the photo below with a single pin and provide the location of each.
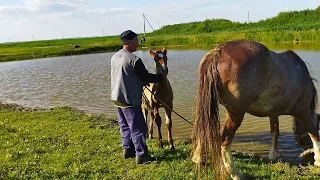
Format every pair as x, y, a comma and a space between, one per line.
64, 143
52, 48
294, 21
290, 27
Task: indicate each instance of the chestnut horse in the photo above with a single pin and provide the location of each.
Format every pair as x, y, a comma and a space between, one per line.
162, 91
247, 77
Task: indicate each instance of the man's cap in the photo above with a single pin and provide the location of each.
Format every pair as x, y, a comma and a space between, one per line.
127, 36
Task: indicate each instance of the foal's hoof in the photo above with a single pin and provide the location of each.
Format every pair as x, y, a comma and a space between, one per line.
172, 148
150, 137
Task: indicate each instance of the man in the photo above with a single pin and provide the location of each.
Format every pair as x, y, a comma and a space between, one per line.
143, 39
128, 76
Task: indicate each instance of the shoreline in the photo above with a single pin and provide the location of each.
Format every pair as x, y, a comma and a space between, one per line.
62, 48
174, 47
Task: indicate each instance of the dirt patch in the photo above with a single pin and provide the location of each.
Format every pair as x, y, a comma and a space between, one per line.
16, 107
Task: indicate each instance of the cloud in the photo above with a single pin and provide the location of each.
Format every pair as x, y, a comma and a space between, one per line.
4, 10
37, 4
41, 6
3, 21
46, 18
58, 8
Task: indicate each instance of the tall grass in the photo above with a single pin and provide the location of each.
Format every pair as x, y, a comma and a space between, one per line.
206, 39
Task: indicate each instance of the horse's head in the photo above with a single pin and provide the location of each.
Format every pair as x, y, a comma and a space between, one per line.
160, 59
302, 136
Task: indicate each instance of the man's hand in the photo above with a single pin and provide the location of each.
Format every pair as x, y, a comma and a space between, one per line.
156, 58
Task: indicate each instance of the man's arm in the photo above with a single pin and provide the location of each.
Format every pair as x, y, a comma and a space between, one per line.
144, 75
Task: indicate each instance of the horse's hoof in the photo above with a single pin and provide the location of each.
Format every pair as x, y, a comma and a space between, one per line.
196, 159
172, 148
273, 156
238, 176
150, 137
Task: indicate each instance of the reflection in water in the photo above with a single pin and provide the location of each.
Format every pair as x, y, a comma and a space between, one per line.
84, 82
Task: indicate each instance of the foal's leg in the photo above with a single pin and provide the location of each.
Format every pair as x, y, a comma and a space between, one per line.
151, 125
232, 122
158, 122
274, 125
306, 123
145, 115
169, 127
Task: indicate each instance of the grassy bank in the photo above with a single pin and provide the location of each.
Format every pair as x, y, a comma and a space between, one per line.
67, 144
53, 48
305, 20
210, 39
295, 26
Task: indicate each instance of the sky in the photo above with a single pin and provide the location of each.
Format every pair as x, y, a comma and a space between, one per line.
27, 20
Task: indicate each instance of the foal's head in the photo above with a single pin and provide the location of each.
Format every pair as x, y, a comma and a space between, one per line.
160, 59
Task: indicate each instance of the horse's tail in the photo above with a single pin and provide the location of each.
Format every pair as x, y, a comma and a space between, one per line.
206, 129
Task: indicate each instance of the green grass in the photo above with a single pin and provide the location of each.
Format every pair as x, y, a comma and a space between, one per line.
53, 48
306, 20
64, 143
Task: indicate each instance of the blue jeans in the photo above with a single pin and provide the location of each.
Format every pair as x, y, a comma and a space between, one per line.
133, 129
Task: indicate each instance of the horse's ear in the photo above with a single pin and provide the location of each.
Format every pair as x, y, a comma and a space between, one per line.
152, 53
164, 51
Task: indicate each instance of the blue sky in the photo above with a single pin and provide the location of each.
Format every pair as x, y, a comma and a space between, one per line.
23, 20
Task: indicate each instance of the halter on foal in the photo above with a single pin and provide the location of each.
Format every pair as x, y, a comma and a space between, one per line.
247, 77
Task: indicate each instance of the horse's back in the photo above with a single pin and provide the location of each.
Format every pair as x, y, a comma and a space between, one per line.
255, 78
242, 67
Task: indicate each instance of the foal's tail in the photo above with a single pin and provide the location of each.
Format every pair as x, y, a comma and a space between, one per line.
206, 129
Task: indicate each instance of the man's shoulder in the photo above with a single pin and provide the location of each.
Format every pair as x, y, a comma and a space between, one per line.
118, 53
124, 56
125, 53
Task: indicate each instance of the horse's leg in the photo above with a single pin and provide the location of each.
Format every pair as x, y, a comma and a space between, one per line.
232, 122
158, 123
306, 123
151, 125
274, 125
169, 127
